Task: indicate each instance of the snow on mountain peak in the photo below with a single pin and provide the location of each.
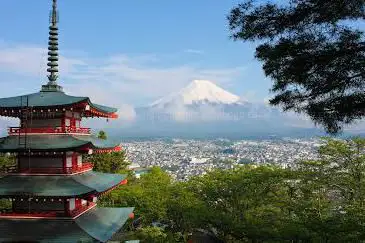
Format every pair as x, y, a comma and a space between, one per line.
199, 91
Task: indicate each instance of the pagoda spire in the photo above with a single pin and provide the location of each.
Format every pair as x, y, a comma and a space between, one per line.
53, 52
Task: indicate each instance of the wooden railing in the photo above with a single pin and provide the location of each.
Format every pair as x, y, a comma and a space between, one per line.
47, 214
81, 209
42, 130
50, 170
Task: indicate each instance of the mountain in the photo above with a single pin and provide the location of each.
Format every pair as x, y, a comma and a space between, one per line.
202, 100
198, 92
202, 109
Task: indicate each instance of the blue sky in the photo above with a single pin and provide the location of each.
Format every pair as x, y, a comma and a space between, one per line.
127, 52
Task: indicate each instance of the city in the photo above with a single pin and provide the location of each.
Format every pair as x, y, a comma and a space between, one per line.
186, 158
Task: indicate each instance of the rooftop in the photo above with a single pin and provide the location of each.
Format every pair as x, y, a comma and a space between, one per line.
47, 100
55, 143
58, 186
96, 225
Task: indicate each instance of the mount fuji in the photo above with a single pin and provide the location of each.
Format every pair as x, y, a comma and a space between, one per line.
198, 92
203, 109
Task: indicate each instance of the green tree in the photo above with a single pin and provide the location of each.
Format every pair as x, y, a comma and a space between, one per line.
149, 195
319, 200
102, 135
151, 234
314, 56
245, 203
112, 162
6, 160
186, 212
332, 191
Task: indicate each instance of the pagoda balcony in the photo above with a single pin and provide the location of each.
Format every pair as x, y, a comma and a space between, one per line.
48, 214
80, 210
86, 166
49, 130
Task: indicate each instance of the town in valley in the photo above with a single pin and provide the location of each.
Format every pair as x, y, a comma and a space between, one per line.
183, 158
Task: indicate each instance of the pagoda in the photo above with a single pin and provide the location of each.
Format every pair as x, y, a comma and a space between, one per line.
52, 189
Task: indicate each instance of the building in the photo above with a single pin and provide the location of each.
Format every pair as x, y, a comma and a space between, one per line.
138, 170
52, 189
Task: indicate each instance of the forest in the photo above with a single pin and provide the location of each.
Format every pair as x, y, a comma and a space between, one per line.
314, 201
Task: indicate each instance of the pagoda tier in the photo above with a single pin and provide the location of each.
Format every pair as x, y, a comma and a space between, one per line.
96, 225
46, 208
55, 196
63, 122
56, 143
53, 104
88, 183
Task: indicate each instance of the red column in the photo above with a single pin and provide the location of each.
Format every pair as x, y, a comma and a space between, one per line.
64, 163
73, 122
63, 124
67, 207
74, 160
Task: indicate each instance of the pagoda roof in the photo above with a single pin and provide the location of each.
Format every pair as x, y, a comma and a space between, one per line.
47, 100
96, 225
58, 186
56, 143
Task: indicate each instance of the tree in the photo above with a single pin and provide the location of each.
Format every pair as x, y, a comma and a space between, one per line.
149, 195
330, 195
320, 200
112, 162
6, 160
151, 234
185, 210
315, 58
102, 135
246, 203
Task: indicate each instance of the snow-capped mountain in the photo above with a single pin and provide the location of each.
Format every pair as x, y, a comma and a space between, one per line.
204, 101
203, 109
198, 92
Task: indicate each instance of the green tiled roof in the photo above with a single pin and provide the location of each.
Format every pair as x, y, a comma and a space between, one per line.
55, 142
110, 220
54, 186
96, 225
50, 99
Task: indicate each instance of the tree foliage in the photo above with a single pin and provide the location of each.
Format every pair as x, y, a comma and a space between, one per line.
311, 52
6, 160
148, 195
111, 162
102, 135
319, 200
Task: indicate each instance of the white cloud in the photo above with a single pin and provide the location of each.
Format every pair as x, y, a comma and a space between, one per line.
112, 80
126, 113
32, 60
126, 116
181, 113
248, 95
6, 122
194, 51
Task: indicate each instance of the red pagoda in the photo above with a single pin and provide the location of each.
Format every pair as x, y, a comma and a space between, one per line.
52, 189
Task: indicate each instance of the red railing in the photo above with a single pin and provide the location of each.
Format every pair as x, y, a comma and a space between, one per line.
17, 130
50, 170
81, 209
48, 214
